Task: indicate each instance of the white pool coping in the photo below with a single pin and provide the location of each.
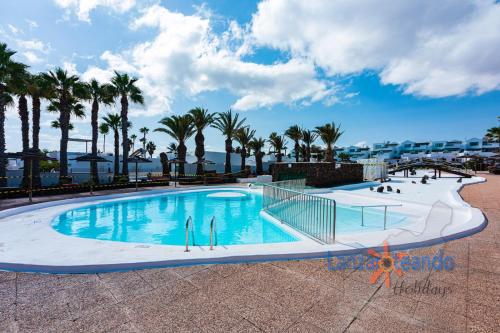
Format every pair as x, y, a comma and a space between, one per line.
29, 243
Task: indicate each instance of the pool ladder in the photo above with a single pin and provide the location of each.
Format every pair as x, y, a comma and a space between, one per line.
213, 233
189, 221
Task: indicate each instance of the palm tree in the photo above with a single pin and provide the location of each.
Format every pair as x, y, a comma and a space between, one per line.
201, 120
38, 89
256, 145
57, 125
228, 124
124, 87
104, 130
19, 87
278, 143
144, 131
180, 128
493, 134
172, 148
295, 133
66, 91
329, 134
133, 137
8, 68
244, 135
151, 147
114, 122
100, 93
308, 137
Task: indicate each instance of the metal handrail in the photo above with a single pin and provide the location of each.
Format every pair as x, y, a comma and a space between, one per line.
374, 206
312, 215
188, 222
213, 228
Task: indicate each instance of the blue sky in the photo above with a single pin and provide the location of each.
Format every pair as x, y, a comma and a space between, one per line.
384, 75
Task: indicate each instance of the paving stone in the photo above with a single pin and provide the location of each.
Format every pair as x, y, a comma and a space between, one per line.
125, 285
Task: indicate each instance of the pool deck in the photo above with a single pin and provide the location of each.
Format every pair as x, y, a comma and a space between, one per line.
294, 296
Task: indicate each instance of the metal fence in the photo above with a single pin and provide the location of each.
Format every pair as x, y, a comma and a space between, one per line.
315, 216
292, 184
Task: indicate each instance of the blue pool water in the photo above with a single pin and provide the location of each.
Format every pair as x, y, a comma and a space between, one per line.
161, 220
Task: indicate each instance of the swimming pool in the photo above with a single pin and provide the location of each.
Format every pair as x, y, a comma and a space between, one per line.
162, 219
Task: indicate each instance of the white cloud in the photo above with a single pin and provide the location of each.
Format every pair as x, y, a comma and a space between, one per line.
33, 45
32, 24
70, 68
82, 8
32, 58
15, 30
187, 57
429, 48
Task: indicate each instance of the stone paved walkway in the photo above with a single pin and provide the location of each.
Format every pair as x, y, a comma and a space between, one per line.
294, 296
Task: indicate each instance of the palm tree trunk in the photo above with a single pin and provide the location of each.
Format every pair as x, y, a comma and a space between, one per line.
25, 136
229, 148
104, 143
37, 181
308, 153
200, 151
297, 151
3, 161
63, 150
243, 155
329, 153
125, 143
258, 163
93, 164
116, 170
181, 155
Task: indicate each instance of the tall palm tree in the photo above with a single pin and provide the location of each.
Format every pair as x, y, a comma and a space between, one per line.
124, 87
144, 131
180, 128
133, 137
256, 145
493, 134
329, 134
8, 68
100, 93
228, 123
19, 86
103, 130
278, 143
114, 122
308, 137
172, 148
38, 89
150, 148
295, 133
201, 120
243, 136
66, 91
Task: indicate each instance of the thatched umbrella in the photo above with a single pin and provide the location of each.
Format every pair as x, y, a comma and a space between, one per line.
28, 155
91, 158
176, 161
137, 159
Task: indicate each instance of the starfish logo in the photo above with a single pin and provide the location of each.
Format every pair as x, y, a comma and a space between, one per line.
386, 264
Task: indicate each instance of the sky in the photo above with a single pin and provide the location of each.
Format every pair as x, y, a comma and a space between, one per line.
384, 70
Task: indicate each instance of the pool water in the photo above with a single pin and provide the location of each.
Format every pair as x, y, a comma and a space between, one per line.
162, 219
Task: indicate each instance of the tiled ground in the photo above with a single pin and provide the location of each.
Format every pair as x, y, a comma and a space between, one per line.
295, 296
